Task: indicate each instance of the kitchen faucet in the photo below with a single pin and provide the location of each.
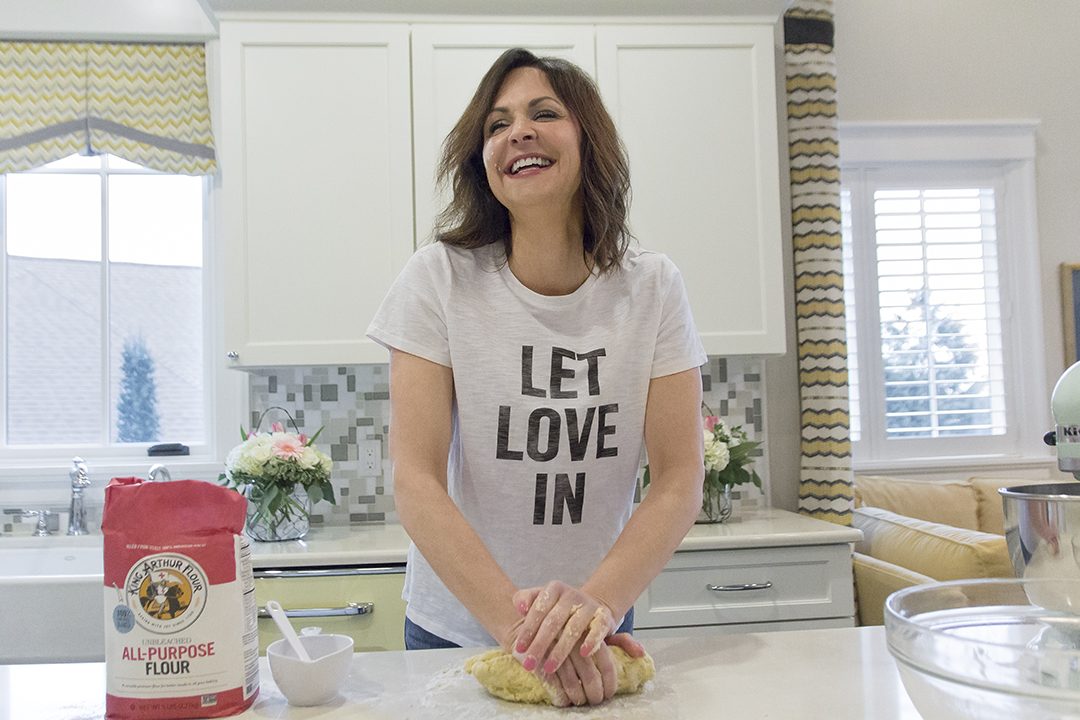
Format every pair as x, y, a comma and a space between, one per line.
158, 473
80, 480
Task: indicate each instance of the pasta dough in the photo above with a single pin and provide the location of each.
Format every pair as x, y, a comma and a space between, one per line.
504, 677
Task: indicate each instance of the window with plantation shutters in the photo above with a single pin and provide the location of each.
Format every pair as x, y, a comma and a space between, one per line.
940, 294
939, 311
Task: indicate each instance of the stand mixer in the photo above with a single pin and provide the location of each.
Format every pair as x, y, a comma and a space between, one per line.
1042, 522
1000, 649
1065, 403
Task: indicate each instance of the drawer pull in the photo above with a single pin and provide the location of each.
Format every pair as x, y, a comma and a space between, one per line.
351, 609
739, 588
300, 573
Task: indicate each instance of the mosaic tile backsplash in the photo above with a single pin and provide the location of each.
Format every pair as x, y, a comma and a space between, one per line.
353, 403
350, 404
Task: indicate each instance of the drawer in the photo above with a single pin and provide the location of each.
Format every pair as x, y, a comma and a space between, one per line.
759, 585
379, 626
700, 631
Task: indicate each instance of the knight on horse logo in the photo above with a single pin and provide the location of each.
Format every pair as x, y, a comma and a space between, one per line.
167, 592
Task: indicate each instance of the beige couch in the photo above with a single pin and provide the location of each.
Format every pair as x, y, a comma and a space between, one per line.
919, 531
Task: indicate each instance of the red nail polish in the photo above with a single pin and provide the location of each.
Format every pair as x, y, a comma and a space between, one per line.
529, 664
550, 667
521, 647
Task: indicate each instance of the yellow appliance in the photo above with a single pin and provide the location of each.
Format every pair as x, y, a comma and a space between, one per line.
363, 602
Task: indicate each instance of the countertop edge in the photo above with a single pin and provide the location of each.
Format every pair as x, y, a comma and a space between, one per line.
353, 546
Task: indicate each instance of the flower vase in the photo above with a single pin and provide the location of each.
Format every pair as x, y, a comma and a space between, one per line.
291, 521
716, 505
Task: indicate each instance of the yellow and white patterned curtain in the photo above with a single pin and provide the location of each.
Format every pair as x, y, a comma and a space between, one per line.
825, 482
145, 103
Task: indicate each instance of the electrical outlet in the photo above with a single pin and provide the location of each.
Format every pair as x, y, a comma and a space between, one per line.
370, 455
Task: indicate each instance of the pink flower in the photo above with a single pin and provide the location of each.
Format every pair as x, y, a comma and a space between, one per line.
303, 439
709, 421
287, 447
277, 427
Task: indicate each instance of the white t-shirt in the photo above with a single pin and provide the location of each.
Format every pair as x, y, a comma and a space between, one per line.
549, 407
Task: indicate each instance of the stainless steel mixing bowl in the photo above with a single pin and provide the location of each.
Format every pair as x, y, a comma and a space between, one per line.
1042, 529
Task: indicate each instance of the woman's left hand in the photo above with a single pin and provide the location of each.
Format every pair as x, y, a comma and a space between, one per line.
557, 618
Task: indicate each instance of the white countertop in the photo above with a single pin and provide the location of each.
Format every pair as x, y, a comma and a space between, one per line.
841, 674
336, 545
389, 544
386, 544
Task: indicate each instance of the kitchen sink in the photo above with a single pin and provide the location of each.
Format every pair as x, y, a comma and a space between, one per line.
51, 599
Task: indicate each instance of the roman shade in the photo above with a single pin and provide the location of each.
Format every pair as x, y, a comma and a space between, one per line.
146, 103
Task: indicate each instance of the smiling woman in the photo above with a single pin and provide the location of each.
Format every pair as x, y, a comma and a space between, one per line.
531, 328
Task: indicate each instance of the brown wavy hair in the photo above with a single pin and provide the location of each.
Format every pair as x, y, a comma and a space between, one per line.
475, 218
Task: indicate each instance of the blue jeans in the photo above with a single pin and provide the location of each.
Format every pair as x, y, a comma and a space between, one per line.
417, 638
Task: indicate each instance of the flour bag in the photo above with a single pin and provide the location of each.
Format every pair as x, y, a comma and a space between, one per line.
181, 635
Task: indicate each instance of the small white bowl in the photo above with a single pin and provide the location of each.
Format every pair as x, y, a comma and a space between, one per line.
316, 682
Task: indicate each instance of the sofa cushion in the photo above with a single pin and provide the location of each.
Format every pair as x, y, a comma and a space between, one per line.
988, 502
939, 551
950, 502
875, 580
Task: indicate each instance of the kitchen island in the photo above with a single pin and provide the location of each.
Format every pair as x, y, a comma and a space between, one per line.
833, 674
766, 569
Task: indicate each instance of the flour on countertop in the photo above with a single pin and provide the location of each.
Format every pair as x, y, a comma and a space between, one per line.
454, 693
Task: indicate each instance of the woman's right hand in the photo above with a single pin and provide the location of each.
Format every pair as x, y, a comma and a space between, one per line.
591, 679
580, 679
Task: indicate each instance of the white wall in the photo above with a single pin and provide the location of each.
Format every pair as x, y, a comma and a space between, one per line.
960, 60
979, 60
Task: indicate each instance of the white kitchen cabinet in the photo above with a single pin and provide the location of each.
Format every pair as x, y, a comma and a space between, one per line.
316, 186
768, 570
329, 133
696, 107
448, 63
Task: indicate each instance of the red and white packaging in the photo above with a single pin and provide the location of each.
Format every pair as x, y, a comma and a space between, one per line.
181, 633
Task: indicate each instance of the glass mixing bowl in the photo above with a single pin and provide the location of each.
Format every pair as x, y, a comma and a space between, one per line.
982, 649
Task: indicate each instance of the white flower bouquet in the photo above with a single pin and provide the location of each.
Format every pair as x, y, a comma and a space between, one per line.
727, 461
268, 467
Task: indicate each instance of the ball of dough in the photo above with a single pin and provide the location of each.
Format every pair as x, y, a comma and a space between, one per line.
504, 677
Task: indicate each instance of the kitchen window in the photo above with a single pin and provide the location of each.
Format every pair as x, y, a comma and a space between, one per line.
105, 324
941, 292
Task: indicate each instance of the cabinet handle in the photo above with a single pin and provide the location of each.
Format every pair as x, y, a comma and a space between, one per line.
738, 588
301, 573
350, 609
232, 355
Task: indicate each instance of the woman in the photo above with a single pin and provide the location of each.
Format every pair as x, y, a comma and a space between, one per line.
532, 353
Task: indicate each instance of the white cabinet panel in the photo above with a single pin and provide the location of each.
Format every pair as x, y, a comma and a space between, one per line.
761, 585
696, 107
700, 631
316, 186
448, 63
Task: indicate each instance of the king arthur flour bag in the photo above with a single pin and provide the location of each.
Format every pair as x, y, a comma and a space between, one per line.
181, 639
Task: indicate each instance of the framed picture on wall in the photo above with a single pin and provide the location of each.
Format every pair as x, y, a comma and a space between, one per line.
1070, 306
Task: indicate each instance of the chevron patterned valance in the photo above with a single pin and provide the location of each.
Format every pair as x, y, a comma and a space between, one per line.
145, 103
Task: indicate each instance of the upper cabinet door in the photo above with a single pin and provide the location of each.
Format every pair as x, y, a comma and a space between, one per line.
448, 63
696, 107
316, 172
